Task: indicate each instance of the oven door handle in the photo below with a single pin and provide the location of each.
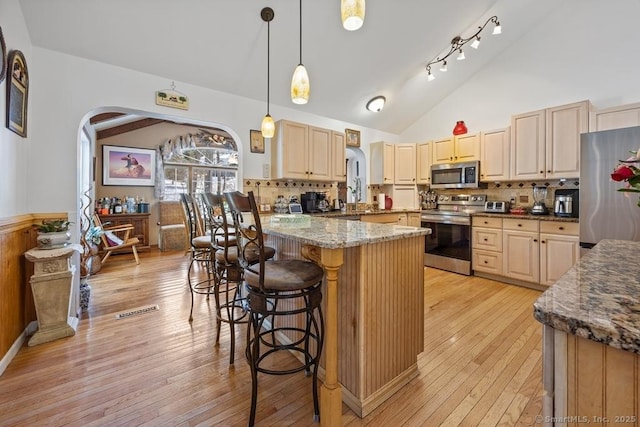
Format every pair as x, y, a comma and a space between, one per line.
441, 219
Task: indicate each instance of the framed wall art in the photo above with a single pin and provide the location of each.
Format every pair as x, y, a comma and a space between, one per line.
352, 137
257, 141
17, 93
128, 166
3, 57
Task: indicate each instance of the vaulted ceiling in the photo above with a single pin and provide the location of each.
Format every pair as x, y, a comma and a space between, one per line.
221, 44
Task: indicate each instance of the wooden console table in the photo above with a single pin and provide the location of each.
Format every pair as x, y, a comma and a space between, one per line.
140, 223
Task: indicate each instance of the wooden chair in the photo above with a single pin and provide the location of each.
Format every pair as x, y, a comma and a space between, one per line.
117, 237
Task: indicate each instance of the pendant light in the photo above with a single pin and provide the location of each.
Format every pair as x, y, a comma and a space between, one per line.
300, 80
268, 127
352, 12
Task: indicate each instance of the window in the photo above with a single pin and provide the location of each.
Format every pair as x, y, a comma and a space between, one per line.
201, 163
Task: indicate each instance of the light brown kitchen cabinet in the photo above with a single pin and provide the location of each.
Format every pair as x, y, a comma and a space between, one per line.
521, 249
621, 116
494, 155
386, 218
460, 148
424, 157
405, 164
301, 152
564, 124
382, 156
414, 219
546, 143
559, 249
338, 157
528, 132
486, 238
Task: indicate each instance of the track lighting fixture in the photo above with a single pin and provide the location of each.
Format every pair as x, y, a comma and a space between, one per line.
268, 127
300, 86
376, 104
457, 43
352, 12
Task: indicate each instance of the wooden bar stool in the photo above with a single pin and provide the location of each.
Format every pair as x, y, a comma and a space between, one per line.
284, 302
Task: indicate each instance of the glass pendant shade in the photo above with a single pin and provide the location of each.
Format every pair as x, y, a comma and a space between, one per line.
268, 127
300, 85
352, 12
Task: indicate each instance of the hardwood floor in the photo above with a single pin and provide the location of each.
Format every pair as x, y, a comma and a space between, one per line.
481, 363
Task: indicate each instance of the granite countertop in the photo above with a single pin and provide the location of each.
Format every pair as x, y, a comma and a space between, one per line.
335, 233
339, 213
550, 217
599, 297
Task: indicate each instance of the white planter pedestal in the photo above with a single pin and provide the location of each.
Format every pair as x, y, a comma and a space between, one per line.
51, 285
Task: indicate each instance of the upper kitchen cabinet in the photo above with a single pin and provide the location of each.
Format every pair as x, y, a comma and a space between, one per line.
460, 148
564, 126
546, 143
338, 156
423, 167
527, 145
405, 164
622, 116
382, 163
494, 155
301, 152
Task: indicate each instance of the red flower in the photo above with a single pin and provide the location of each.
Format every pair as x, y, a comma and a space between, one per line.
622, 173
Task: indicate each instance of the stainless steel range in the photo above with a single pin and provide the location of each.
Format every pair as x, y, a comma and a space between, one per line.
448, 247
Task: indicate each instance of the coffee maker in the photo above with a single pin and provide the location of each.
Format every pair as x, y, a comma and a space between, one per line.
566, 203
309, 201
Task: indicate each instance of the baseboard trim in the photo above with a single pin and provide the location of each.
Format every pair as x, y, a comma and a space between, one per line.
17, 344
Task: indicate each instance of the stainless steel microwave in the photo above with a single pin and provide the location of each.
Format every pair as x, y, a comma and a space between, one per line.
456, 175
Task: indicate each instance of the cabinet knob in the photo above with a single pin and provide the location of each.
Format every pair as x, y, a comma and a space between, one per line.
541, 171
541, 241
486, 222
486, 262
561, 228
485, 239
450, 158
535, 240
519, 225
548, 171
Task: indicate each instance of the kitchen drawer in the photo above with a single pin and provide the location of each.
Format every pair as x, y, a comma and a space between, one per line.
479, 221
486, 238
558, 227
386, 218
520, 224
486, 261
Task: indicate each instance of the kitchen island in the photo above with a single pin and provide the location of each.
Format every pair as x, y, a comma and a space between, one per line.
591, 344
373, 306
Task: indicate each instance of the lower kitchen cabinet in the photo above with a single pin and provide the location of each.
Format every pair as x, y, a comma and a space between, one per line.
386, 218
486, 246
559, 249
521, 250
524, 251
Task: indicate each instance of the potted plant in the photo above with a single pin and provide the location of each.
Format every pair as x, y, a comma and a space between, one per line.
53, 234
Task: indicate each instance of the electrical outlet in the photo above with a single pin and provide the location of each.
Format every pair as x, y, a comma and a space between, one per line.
266, 170
524, 199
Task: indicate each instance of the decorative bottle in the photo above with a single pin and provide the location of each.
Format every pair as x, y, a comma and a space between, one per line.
460, 128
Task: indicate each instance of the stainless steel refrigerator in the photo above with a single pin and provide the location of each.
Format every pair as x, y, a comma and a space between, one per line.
606, 213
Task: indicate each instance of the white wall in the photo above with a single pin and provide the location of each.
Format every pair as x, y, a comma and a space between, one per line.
14, 150
66, 88
588, 50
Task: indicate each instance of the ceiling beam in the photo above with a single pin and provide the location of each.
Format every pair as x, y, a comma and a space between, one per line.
103, 117
128, 127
